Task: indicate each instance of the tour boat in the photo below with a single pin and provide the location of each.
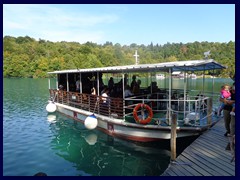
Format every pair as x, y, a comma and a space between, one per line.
145, 115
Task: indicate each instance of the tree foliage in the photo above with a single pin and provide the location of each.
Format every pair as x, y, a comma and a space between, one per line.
27, 57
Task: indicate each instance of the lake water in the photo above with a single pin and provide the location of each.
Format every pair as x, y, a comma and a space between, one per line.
34, 141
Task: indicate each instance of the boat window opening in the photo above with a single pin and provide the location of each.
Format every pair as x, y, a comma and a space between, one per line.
62, 81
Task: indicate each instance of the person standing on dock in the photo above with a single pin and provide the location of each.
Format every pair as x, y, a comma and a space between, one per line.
225, 94
231, 103
229, 119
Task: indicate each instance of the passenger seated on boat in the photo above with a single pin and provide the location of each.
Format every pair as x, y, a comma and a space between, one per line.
105, 102
125, 79
105, 95
110, 84
134, 82
127, 91
77, 85
93, 99
153, 88
61, 87
136, 88
119, 85
93, 91
116, 91
113, 92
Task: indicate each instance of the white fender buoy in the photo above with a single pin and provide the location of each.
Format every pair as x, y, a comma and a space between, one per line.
51, 118
91, 139
91, 122
51, 107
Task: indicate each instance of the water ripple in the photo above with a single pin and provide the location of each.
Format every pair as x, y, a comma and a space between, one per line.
34, 141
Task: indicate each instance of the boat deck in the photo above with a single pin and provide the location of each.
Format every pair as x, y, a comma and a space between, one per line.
206, 156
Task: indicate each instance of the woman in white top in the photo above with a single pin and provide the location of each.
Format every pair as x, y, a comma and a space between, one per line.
105, 95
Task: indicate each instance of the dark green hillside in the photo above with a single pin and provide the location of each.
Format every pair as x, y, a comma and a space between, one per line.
27, 57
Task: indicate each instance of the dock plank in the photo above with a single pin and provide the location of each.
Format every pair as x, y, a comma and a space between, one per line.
223, 156
206, 156
196, 170
209, 166
202, 163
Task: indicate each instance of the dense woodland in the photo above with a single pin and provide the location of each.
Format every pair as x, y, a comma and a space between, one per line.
27, 57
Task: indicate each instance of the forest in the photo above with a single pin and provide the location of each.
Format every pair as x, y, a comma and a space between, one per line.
29, 58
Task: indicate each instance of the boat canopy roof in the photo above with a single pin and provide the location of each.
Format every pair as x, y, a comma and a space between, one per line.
191, 65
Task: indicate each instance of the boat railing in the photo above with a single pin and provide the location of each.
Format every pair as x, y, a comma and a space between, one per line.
198, 106
110, 106
193, 107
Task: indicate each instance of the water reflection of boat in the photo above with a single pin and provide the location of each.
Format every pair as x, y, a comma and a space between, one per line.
91, 138
146, 115
51, 118
108, 156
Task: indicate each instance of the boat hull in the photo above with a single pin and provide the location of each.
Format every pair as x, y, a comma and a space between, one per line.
129, 131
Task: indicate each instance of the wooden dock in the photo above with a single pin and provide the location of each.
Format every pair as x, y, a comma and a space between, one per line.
206, 156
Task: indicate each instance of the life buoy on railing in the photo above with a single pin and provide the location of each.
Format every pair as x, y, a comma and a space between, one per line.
142, 121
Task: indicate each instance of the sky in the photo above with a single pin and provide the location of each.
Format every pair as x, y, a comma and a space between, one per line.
121, 23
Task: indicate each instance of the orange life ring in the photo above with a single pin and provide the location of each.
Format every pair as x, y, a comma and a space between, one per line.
143, 121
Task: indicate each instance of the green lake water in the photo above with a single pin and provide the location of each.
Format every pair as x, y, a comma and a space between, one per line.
35, 141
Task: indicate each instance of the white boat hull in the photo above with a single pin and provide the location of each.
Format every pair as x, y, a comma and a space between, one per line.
126, 130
